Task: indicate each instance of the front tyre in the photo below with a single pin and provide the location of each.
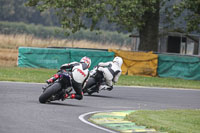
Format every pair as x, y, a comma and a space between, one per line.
49, 92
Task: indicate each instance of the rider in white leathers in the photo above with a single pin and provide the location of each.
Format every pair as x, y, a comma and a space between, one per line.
79, 73
111, 71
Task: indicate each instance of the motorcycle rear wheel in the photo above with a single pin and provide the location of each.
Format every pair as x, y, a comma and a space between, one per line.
49, 92
89, 85
93, 90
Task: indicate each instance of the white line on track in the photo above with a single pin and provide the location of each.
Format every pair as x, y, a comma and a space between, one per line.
81, 117
20, 82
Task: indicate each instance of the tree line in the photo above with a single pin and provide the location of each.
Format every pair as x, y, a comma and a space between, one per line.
106, 37
17, 11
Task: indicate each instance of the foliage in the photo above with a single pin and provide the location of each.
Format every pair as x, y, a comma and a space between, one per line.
16, 11
127, 14
140, 16
185, 11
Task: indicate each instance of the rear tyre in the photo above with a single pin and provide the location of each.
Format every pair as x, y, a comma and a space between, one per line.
92, 90
91, 82
49, 92
90, 93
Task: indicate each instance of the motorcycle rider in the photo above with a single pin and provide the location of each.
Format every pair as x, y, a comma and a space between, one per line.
111, 71
79, 73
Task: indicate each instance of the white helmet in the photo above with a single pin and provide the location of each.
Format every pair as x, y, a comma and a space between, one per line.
118, 60
86, 60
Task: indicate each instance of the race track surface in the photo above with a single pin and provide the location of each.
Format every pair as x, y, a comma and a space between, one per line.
20, 111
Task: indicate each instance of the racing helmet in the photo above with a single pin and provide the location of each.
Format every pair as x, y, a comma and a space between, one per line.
86, 60
118, 60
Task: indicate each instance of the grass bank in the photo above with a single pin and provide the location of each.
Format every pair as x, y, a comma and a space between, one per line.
25, 74
41, 75
171, 121
158, 82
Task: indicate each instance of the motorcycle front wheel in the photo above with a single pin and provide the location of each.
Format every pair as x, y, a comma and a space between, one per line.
49, 92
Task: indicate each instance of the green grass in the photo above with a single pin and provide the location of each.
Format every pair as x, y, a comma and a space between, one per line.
158, 82
171, 121
41, 75
25, 74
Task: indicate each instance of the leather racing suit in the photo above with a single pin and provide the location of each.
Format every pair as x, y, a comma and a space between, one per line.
80, 73
111, 72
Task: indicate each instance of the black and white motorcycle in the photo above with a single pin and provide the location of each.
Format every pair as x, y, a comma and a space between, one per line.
96, 82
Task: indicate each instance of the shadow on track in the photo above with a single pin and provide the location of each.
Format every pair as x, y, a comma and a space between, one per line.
102, 96
64, 104
111, 97
57, 103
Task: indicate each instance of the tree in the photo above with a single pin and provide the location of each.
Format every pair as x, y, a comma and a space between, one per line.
129, 15
189, 10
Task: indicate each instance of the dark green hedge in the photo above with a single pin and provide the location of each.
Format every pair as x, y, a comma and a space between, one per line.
56, 32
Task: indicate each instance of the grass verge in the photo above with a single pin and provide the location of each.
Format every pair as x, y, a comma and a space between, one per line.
41, 75
25, 74
171, 121
158, 82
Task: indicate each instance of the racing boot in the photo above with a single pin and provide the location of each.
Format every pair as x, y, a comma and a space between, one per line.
110, 88
73, 96
67, 96
105, 87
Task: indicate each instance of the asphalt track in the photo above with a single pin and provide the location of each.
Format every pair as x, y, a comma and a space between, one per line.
20, 111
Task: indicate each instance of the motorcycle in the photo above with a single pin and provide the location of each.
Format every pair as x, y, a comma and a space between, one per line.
58, 88
94, 82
